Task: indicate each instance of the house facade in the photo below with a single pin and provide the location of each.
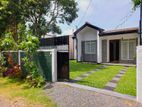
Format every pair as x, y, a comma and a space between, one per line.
94, 44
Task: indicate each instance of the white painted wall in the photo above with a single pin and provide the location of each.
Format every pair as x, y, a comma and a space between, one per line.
139, 74
87, 34
63, 48
75, 49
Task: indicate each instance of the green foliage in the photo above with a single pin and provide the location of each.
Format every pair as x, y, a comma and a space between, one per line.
2, 60
77, 69
2, 69
8, 43
136, 3
127, 84
30, 44
22, 32
100, 78
42, 16
34, 79
30, 66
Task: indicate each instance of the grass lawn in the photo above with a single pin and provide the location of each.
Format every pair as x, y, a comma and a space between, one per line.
77, 69
127, 84
14, 90
100, 78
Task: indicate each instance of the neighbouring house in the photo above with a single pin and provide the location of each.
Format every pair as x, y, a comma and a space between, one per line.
94, 44
61, 43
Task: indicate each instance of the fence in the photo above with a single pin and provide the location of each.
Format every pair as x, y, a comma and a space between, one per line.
45, 60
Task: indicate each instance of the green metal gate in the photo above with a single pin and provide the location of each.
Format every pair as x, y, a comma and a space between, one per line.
43, 61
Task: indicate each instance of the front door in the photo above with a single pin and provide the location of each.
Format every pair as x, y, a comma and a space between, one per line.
114, 50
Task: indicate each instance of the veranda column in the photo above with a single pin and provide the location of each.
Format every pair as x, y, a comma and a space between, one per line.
99, 49
139, 74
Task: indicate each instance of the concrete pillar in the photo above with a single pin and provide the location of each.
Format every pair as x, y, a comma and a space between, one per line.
19, 57
54, 65
98, 49
139, 74
107, 50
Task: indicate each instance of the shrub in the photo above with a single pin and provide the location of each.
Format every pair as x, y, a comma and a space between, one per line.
15, 71
34, 79
2, 62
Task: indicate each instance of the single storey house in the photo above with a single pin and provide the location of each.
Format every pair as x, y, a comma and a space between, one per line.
94, 44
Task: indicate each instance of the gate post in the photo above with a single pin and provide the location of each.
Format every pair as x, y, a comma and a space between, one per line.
19, 57
54, 65
139, 74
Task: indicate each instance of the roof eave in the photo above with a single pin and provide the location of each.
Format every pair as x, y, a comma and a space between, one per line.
89, 25
118, 33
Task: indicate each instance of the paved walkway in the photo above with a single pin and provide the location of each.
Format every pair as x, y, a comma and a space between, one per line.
87, 74
113, 83
68, 96
129, 65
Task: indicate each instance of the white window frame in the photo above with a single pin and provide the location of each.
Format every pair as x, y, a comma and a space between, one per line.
90, 47
128, 49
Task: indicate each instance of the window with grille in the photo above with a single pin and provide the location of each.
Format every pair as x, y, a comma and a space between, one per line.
90, 47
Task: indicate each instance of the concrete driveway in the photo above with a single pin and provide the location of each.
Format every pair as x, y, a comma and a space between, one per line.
68, 96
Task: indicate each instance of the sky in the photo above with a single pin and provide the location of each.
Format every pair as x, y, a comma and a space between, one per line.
106, 14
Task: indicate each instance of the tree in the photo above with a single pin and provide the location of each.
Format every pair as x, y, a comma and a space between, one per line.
42, 16
137, 3
10, 17
8, 43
